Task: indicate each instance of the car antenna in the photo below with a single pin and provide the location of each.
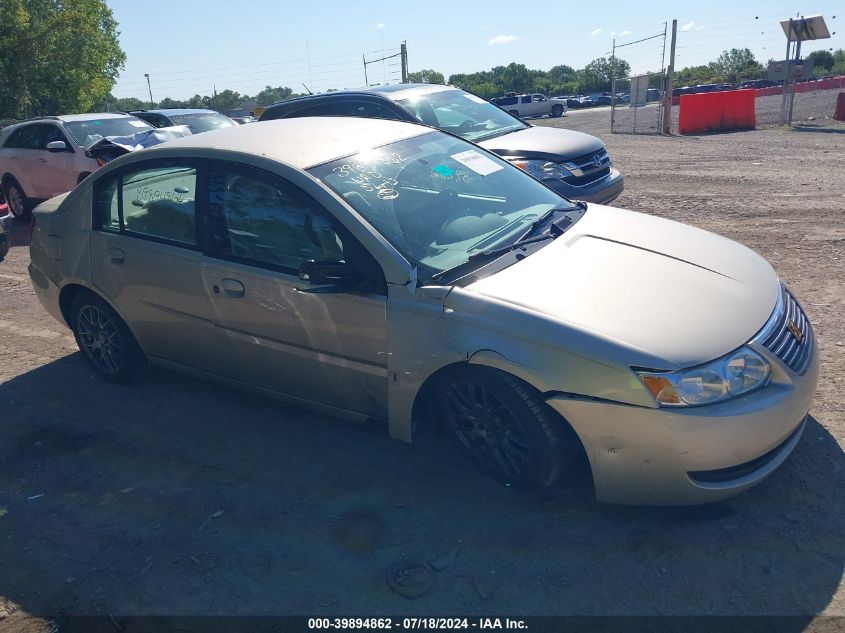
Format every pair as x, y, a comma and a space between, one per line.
306, 87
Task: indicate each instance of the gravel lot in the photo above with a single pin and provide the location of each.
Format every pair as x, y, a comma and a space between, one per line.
177, 497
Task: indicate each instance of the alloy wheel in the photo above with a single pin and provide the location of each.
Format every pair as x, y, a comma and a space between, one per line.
487, 427
100, 339
17, 205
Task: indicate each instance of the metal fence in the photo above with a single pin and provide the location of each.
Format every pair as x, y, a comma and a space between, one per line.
636, 105
630, 115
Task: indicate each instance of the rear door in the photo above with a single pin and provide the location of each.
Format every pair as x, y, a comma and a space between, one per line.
145, 258
27, 158
312, 342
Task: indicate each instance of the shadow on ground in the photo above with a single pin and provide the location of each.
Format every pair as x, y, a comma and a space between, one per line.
180, 497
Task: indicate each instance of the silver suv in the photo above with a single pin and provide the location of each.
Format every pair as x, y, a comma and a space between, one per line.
41, 158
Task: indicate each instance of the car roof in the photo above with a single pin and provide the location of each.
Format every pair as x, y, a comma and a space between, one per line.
303, 142
395, 92
178, 111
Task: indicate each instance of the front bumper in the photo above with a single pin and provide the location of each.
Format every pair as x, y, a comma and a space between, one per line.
602, 191
667, 456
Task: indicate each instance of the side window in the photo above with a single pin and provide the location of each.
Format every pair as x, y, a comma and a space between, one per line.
331, 107
159, 202
55, 134
371, 110
526, 99
156, 201
29, 137
261, 219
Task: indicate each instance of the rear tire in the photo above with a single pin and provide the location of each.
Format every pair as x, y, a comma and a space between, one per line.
504, 425
104, 340
82, 177
557, 110
17, 200
514, 112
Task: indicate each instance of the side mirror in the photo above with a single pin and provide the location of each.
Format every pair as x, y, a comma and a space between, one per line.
336, 273
56, 146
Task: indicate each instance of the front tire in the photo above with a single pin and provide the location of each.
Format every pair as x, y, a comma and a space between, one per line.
104, 340
17, 200
505, 426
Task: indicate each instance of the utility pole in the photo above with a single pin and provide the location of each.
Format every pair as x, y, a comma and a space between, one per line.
404, 58
670, 79
612, 85
366, 81
147, 75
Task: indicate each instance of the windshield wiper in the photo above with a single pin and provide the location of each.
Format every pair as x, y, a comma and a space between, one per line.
494, 252
556, 229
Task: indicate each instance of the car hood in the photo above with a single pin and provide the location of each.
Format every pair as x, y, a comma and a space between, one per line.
676, 292
545, 143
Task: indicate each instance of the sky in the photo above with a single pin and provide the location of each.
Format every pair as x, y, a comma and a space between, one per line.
191, 46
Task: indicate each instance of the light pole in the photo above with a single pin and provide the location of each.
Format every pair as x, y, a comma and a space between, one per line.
150, 89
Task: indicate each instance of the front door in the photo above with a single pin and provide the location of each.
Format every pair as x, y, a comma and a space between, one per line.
319, 343
146, 261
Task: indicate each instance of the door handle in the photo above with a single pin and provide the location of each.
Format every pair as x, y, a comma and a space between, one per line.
42, 160
116, 255
233, 288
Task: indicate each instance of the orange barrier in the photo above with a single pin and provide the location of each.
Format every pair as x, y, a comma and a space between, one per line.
717, 112
839, 115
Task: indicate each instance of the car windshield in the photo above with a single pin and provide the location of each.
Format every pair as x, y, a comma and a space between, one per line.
438, 199
90, 130
202, 121
461, 113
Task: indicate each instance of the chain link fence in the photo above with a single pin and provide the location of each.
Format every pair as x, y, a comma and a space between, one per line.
637, 110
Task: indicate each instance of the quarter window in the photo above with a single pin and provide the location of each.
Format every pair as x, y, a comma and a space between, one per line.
265, 220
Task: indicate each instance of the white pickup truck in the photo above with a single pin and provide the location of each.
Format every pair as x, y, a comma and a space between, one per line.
530, 105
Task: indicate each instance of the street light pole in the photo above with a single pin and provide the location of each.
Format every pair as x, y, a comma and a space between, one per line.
150, 89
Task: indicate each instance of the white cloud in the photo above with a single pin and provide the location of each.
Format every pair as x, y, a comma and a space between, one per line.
595, 32
613, 34
625, 33
689, 26
380, 26
503, 39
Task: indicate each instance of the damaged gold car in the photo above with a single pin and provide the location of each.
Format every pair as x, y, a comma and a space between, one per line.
365, 267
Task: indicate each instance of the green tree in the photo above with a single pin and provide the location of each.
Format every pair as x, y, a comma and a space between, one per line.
426, 76
838, 67
735, 64
562, 74
56, 56
821, 60
272, 95
599, 73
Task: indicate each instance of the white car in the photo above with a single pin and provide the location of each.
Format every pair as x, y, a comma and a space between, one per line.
531, 105
41, 158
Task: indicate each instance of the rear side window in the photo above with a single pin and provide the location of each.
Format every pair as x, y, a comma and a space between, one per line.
157, 202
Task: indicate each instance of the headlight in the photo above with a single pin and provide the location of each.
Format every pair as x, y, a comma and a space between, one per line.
542, 169
728, 377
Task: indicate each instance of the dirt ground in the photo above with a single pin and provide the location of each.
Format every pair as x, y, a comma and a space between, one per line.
178, 497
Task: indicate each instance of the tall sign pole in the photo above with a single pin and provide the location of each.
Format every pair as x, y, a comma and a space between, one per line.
404, 60
670, 79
